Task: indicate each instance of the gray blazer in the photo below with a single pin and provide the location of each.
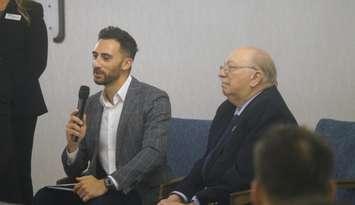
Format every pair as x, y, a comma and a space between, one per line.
141, 141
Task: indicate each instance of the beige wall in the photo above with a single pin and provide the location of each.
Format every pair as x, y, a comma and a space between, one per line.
183, 42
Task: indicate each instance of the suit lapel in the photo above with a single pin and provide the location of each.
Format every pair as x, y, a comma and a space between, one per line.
237, 136
248, 117
11, 29
95, 124
217, 133
96, 116
129, 105
11, 8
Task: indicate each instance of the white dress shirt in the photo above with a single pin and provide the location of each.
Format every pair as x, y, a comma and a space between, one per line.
108, 130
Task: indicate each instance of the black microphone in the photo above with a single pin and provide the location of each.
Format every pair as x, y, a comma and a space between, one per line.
84, 92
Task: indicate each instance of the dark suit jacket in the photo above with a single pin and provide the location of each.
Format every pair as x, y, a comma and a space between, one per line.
23, 58
232, 170
141, 141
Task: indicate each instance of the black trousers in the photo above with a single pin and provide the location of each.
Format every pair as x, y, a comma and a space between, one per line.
47, 196
16, 184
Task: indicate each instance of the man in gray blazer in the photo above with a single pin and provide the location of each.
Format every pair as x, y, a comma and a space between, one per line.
120, 144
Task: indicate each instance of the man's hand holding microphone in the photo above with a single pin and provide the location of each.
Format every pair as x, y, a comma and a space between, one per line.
87, 187
76, 127
75, 131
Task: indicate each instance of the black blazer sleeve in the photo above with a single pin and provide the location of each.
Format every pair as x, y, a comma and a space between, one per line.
37, 41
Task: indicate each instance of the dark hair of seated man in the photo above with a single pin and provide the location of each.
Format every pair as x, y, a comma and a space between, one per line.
292, 164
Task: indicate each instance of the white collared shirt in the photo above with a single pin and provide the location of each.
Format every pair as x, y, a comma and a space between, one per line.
108, 129
238, 110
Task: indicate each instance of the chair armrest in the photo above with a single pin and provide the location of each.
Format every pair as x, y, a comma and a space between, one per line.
237, 198
240, 198
168, 187
66, 180
345, 184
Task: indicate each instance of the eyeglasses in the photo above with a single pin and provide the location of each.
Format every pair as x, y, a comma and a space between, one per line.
229, 68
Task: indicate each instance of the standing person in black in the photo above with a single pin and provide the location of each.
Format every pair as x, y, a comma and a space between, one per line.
23, 58
248, 80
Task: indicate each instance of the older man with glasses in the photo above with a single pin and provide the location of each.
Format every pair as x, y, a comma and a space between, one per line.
253, 104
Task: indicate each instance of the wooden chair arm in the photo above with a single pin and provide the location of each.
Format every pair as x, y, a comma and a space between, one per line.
237, 198
240, 198
345, 184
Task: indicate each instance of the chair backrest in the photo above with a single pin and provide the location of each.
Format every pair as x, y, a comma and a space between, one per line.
187, 141
341, 137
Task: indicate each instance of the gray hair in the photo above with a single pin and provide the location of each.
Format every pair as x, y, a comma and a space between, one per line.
265, 63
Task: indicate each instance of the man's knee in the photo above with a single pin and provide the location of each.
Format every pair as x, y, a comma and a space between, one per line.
53, 196
43, 196
114, 197
105, 199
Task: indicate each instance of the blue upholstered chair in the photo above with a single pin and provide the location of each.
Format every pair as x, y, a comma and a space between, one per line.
188, 137
187, 141
341, 137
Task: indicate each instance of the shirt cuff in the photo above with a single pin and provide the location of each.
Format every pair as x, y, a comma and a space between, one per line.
113, 181
195, 200
181, 195
71, 156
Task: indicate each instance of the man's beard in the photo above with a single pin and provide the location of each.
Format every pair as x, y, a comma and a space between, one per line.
108, 79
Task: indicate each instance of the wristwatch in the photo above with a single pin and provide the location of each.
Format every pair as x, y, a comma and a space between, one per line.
109, 184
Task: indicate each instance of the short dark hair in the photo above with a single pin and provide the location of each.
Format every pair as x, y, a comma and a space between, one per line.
127, 42
292, 162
